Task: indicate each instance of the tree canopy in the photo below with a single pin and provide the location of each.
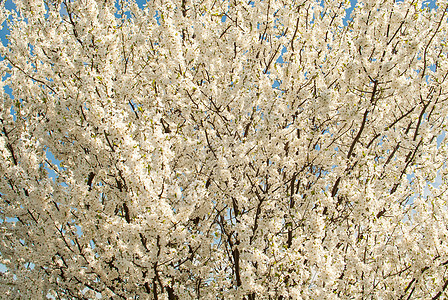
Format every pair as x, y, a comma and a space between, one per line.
224, 150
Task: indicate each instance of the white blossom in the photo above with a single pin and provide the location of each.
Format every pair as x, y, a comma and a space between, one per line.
190, 163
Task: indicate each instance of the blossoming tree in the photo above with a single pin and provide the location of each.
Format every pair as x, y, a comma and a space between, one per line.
224, 150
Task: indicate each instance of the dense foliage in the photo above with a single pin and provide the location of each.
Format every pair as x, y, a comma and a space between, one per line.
224, 150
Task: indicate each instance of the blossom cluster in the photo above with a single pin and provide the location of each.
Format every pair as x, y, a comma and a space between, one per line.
260, 149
